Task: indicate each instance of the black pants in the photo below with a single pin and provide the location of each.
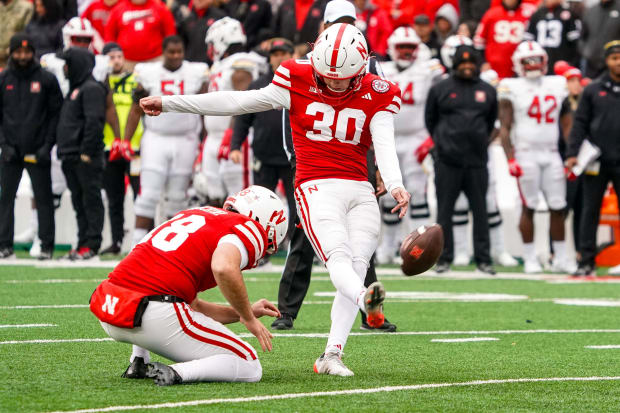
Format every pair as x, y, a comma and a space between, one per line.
593, 191
85, 181
297, 271
114, 186
10, 175
574, 201
268, 176
449, 182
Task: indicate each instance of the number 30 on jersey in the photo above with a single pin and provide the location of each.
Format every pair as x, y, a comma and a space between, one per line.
325, 118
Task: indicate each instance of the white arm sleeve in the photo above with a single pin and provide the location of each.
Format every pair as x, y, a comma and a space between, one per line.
382, 131
229, 103
236, 241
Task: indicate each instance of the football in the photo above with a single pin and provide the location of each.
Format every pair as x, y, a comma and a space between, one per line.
421, 249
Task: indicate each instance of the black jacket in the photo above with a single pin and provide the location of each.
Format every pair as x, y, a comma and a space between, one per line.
598, 119
285, 22
30, 102
601, 24
460, 115
46, 36
80, 128
253, 14
193, 30
267, 143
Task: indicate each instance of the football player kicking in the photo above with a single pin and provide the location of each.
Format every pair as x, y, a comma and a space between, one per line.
337, 110
532, 104
150, 299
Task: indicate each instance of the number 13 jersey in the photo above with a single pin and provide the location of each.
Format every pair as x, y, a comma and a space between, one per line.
331, 136
537, 105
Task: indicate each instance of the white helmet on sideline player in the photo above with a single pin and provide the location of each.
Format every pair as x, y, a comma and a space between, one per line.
340, 52
400, 37
77, 29
223, 33
530, 60
449, 47
266, 208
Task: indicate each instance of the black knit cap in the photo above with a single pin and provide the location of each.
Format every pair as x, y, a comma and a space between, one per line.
464, 54
612, 47
280, 44
20, 40
111, 47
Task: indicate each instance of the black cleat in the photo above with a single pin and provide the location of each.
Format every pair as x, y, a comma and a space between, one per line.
387, 327
283, 323
162, 374
584, 271
442, 267
113, 249
485, 268
6, 253
45, 255
136, 370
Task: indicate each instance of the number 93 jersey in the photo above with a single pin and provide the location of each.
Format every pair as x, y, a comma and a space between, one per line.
332, 135
175, 257
537, 105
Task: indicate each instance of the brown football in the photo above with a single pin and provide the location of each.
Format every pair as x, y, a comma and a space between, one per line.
421, 249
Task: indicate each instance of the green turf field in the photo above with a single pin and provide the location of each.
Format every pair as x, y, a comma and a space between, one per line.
534, 358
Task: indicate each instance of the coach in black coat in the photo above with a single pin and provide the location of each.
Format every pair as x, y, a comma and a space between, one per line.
460, 114
30, 102
80, 148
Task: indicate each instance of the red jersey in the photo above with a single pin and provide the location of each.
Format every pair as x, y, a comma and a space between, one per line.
500, 31
175, 258
98, 14
332, 136
140, 29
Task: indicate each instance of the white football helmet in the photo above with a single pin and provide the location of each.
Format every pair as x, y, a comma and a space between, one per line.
340, 52
400, 37
266, 208
76, 27
221, 35
449, 48
530, 60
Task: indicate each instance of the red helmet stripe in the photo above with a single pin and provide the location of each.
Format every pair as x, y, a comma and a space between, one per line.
334, 60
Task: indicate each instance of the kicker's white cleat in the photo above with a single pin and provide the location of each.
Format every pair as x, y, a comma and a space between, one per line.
331, 363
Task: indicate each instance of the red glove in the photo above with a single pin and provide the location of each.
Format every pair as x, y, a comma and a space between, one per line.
116, 151
570, 175
224, 150
425, 147
127, 152
514, 168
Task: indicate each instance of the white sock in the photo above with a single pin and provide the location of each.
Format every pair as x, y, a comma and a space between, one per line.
389, 240
559, 250
220, 367
497, 241
344, 313
137, 351
34, 221
138, 234
529, 251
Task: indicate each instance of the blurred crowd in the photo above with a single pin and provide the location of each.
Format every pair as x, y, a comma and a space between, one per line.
121, 40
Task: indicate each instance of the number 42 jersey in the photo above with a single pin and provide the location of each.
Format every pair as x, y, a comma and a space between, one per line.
175, 257
332, 135
537, 105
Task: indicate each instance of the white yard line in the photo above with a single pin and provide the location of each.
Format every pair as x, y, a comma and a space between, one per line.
358, 334
463, 340
609, 346
365, 391
33, 307
54, 281
27, 325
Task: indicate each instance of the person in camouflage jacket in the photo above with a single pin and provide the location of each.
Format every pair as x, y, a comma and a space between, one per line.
14, 16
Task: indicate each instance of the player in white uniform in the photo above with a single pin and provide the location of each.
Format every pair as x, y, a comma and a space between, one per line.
414, 72
232, 70
170, 143
460, 218
530, 110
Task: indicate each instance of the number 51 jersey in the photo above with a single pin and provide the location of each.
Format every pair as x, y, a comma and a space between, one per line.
332, 135
175, 257
536, 104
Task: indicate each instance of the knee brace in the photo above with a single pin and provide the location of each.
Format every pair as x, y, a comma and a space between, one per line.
176, 194
387, 204
151, 188
460, 217
494, 219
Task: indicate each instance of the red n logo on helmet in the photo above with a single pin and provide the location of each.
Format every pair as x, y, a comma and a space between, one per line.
362, 50
279, 216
